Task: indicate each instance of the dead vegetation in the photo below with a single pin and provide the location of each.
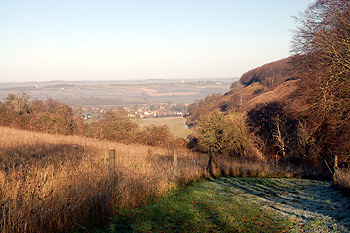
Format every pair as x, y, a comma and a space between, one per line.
53, 183
341, 181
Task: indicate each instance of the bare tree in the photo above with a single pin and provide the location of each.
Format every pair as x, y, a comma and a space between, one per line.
321, 47
278, 135
20, 103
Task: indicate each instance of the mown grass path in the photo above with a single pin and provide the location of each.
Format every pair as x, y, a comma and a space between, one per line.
242, 205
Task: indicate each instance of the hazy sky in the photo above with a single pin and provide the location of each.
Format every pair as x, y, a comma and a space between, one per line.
43, 40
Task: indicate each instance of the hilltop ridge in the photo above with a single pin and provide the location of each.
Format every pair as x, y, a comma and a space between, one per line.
267, 83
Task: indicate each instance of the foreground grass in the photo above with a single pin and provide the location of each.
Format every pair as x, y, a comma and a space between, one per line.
242, 205
202, 207
53, 183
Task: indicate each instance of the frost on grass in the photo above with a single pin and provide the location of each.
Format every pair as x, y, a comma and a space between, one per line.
313, 206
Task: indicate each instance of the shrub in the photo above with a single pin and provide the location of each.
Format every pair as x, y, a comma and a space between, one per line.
156, 136
53, 117
226, 134
341, 180
115, 126
48, 116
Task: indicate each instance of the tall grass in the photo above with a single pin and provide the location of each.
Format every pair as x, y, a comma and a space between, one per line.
341, 180
51, 183
251, 167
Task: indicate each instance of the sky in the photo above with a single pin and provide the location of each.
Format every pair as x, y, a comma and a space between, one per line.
73, 40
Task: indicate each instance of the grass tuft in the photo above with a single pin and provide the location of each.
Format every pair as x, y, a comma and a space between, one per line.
341, 181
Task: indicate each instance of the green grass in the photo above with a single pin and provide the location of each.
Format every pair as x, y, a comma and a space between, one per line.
209, 206
176, 125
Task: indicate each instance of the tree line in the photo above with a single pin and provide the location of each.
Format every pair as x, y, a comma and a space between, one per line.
54, 117
311, 126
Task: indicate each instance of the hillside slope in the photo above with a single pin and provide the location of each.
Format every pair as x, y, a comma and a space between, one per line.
270, 82
270, 74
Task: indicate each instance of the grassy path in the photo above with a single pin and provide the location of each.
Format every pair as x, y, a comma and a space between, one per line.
204, 207
242, 205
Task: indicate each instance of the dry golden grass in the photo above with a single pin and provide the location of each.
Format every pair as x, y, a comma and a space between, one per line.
341, 180
251, 167
51, 183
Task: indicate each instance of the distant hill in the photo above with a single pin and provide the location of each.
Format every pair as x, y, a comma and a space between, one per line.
268, 75
119, 94
273, 81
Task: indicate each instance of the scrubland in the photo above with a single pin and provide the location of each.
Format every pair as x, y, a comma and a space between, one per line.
55, 183
52, 183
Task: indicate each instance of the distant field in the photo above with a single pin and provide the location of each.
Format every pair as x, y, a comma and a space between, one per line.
124, 94
176, 124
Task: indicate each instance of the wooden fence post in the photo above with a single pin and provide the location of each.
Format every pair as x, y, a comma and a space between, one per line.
111, 168
9, 209
175, 160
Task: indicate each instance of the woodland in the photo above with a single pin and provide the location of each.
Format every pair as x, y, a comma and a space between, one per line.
295, 110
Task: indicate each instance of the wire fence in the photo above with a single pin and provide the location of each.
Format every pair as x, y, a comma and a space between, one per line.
21, 202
